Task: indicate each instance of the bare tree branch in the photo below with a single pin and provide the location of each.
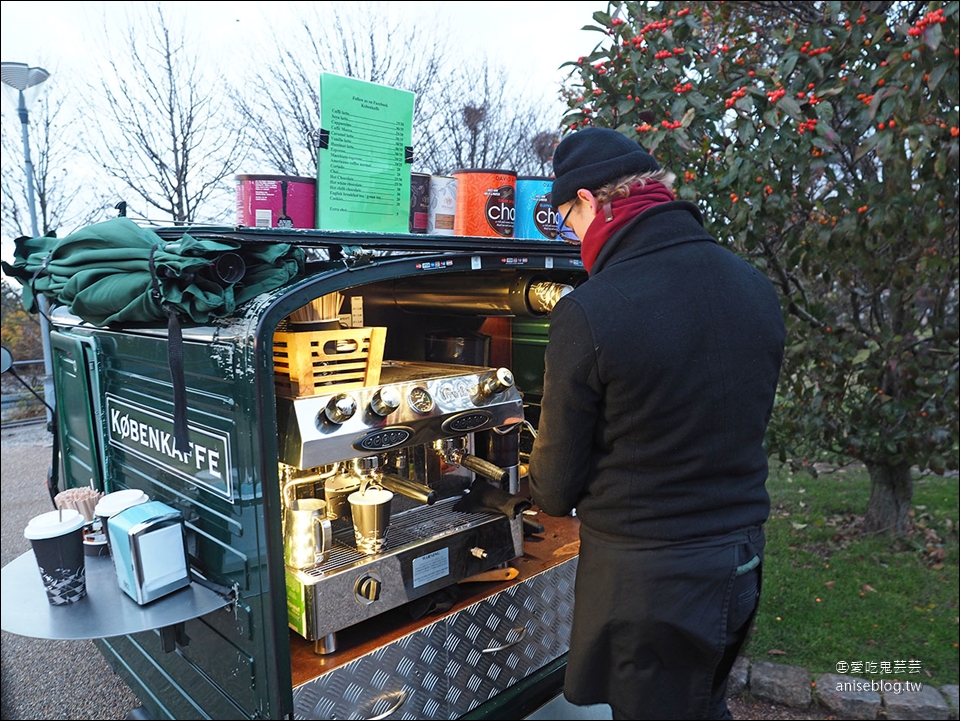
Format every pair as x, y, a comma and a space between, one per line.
281, 106
156, 123
57, 190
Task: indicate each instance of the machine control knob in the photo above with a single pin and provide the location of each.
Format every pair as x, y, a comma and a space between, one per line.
340, 408
494, 382
385, 401
478, 552
368, 588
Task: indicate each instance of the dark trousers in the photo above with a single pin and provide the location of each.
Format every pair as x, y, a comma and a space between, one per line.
656, 631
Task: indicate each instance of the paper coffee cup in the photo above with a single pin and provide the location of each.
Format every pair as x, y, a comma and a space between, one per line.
57, 540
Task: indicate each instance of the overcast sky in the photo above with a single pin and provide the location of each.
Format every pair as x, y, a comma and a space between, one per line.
532, 38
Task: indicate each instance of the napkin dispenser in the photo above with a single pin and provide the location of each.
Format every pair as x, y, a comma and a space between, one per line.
149, 548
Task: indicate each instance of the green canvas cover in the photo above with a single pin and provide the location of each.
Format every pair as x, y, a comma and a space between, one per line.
118, 272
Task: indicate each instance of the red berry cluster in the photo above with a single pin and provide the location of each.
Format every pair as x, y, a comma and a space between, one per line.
737, 94
671, 124
663, 54
931, 18
774, 95
661, 25
806, 49
806, 125
682, 88
809, 95
860, 21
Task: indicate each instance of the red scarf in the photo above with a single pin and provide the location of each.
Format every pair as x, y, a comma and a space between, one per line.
622, 211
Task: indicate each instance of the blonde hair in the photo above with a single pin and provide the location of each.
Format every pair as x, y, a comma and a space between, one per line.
620, 188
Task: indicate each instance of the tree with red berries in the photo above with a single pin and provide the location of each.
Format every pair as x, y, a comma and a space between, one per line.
821, 142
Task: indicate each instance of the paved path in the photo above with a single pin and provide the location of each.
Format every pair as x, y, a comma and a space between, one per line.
44, 679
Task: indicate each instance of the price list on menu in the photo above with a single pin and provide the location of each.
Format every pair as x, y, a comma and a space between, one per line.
363, 161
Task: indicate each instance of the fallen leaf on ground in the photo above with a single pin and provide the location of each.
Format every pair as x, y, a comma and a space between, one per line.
776, 652
829, 585
868, 588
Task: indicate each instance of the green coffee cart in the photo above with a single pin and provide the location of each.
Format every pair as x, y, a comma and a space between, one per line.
467, 609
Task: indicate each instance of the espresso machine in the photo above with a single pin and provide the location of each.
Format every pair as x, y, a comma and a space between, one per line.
420, 434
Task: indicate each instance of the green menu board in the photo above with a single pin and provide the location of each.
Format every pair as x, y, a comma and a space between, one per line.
363, 162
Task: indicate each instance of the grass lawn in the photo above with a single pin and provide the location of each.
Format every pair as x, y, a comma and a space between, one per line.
832, 595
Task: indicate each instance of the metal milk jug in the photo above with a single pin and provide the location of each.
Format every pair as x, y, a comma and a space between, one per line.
307, 534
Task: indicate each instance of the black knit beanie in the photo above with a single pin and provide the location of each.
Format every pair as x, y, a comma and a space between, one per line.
591, 158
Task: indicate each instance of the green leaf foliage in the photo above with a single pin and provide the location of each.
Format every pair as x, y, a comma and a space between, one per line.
821, 142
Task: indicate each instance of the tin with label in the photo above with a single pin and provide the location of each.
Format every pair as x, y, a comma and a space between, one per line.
419, 202
535, 217
443, 205
276, 201
485, 202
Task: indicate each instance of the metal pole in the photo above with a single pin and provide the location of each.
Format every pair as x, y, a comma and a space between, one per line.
48, 390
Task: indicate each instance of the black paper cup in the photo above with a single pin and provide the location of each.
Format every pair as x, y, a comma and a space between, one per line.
57, 539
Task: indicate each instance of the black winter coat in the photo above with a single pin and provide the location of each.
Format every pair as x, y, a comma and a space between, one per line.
660, 375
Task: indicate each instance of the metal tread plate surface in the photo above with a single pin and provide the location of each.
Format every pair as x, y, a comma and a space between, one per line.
456, 663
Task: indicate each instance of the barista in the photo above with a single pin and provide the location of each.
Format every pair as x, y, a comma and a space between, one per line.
660, 373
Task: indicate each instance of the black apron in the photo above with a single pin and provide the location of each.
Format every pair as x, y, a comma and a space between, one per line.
656, 630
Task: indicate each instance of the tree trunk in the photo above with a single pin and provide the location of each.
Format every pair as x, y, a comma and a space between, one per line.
891, 489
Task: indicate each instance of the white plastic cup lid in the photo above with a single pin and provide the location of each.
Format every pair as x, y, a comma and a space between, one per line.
112, 503
54, 523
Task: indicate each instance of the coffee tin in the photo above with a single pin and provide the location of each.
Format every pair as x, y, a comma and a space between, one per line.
535, 217
276, 201
485, 202
419, 202
443, 205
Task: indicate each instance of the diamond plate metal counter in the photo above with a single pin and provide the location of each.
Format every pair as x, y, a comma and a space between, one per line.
456, 663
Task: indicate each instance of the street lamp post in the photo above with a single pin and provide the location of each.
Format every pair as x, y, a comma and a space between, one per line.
22, 78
